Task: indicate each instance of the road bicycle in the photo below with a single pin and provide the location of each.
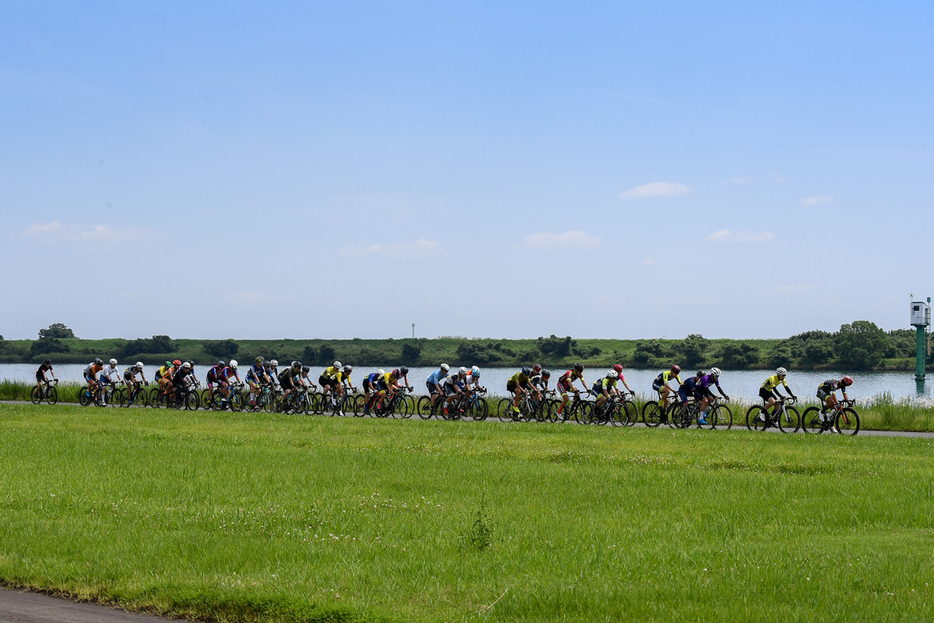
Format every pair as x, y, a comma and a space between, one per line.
614, 411
45, 391
398, 404
134, 396
100, 396
528, 408
576, 409
782, 416
425, 409
234, 400
842, 416
470, 404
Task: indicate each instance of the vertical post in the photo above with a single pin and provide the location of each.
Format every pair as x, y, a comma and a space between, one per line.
413, 330
919, 355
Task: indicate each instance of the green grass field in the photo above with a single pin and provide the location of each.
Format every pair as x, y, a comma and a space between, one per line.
288, 518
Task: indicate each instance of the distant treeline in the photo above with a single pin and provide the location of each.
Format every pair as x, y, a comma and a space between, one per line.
860, 345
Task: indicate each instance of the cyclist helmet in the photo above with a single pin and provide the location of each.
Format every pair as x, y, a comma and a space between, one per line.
113, 361
168, 364
337, 364
177, 363
99, 362
186, 366
445, 367
475, 370
578, 367
233, 364
525, 370
396, 374
847, 380
306, 369
537, 368
781, 372
404, 371
139, 365
699, 373
274, 363
296, 365
546, 374
676, 369
715, 371
47, 362
381, 372
347, 369
260, 361
220, 363
612, 374
618, 368
462, 371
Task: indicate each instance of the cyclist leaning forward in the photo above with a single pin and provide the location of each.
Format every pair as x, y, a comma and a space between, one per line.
129, 379
389, 384
769, 393
566, 385
40, 373
518, 384
826, 392
702, 389
255, 377
288, 377
660, 384
605, 387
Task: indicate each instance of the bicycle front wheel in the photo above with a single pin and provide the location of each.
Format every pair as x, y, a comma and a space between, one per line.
628, 412
84, 396
51, 396
847, 422
811, 421
789, 421
722, 416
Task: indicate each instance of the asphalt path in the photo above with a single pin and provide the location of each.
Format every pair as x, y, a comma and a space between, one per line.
27, 607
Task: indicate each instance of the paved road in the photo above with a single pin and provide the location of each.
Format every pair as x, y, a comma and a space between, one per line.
24, 607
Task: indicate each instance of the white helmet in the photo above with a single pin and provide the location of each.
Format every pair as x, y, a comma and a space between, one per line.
474, 370
715, 371
274, 363
781, 372
139, 365
113, 362
381, 372
462, 371
233, 364
612, 374
186, 366
337, 364
445, 367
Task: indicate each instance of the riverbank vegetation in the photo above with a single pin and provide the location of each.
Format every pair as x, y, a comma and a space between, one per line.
860, 345
237, 517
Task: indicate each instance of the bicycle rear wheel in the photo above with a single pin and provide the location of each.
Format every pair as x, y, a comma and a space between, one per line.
652, 414
811, 421
35, 396
751, 414
789, 421
504, 410
848, 422
757, 418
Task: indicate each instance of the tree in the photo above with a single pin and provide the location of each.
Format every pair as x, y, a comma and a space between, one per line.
860, 345
738, 356
158, 344
223, 349
411, 353
57, 330
326, 354
692, 349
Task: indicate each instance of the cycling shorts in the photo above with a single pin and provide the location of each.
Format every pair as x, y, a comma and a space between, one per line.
765, 394
433, 387
105, 379
324, 381
286, 383
658, 386
367, 386
684, 394
822, 395
449, 389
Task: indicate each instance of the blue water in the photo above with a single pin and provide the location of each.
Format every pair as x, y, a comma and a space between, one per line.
739, 384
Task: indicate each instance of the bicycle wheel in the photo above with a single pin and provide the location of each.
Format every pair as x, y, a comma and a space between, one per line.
713, 415
757, 418
652, 414
811, 421
504, 409
35, 396
84, 396
192, 401
119, 398
628, 413
848, 422
481, 409
676, 416
723, 417
154, 398
51, 396
140, 398
423, 406
789, 421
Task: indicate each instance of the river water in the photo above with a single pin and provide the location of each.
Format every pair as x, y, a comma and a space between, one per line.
739, 384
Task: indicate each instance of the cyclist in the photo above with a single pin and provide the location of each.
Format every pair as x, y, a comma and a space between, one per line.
129, 379
703, 389
769, 389
90, 374
827, 393
328, 379
566, 384
473, 378
162, 375
108, 376
660, 384
619, 370
371, 389
688, 389
287, 379
433, 383
388, 384
179, 380
307, 382
518, 384
46, 366
605, 387
255, 376
223, 379
453, 386
272, 371
169, 377
192, 377
212, 377
344, 378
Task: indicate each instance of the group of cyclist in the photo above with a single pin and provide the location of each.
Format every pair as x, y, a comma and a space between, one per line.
441, 384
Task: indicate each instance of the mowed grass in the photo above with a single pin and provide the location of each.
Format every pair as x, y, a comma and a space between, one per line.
288, 518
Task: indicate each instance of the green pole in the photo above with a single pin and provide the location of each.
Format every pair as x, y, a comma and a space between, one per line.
919, 357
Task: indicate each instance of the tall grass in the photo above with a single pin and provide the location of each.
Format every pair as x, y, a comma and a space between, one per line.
239, 517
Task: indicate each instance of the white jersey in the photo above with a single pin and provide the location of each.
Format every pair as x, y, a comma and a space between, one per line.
110, 372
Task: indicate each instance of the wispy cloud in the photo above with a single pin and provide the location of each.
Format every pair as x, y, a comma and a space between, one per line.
810, 201
649, 262
725, 235
739, 180
655, 189
99, 233
402, 250
571, 238
247, 296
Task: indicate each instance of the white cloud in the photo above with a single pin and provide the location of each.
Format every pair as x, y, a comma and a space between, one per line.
99, 233
655, 189
810, 201
402, 250
649, 262
247, 296
725, 235
571, 238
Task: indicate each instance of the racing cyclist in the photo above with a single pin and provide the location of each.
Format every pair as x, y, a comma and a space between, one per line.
108, 376
453, 386
604, 388
827, 393
660, 384
46, 366
256, 376
566, 385
129, 379
769, 389
703, 389
433, 383
518, 384
90, 374
371, 389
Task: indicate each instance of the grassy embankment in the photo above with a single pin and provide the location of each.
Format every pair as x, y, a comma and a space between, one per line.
243, 518
879, 413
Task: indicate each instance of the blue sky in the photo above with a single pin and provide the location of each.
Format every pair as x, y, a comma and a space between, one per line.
338, 170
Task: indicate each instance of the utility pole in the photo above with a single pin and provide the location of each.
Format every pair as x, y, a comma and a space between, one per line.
413, 330
920, 319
